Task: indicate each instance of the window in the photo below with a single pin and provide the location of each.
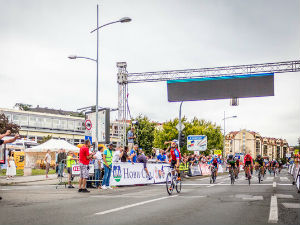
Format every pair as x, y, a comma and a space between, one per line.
55, 124
32, 121
39, 122
79, 125
8, 116
265, 150
63, 124
48, 123
71, 124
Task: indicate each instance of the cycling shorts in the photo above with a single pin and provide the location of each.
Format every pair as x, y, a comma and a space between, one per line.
173, 163
215, 165
247, 163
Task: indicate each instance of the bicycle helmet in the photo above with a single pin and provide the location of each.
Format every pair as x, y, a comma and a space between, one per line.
258, 156
230, 156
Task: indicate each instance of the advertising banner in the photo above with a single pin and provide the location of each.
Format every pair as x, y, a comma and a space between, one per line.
196, 170
76, 169
196, 143
130, 174
19, 159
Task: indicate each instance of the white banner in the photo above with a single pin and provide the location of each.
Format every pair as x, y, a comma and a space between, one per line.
130, 174
196, 170
76, 169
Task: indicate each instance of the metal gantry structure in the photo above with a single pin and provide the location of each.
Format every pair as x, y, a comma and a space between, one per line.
125, 78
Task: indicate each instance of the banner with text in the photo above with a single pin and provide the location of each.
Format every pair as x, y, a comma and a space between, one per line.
130, 174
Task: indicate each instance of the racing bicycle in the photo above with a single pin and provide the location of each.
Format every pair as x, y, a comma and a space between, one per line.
213, 174
247, 173
172, 182
232, 174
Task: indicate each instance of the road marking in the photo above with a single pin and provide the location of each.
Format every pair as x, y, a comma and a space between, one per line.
284, 178
284, 196
291, 205
235, 184
254, 198
211, 185
133, 205
273, 216
274, 184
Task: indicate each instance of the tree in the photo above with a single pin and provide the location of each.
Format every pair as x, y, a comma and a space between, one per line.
23, 107
194, 127
44, 139
6, 125
145, 133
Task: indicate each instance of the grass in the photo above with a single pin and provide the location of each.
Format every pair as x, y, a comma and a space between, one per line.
34, 172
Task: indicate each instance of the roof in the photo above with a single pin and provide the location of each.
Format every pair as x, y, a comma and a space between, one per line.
53, 145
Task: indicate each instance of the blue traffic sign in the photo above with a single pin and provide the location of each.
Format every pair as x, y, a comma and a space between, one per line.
88, 138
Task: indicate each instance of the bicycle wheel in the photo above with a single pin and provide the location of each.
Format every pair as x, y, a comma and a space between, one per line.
169, 183
259, 177
232, 178
178, 186
249, 178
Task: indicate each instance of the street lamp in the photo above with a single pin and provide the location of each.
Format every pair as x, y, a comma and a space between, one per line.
122, 20
225, 118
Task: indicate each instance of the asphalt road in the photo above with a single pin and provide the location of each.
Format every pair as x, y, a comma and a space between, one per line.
275, 200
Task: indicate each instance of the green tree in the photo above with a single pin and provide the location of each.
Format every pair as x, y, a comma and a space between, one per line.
6, 125
23, 107
145, 133
44, 139
194, 127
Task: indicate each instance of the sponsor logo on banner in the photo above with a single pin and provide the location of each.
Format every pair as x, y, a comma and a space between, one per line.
117, 175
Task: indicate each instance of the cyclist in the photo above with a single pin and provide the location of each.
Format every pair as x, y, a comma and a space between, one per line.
232, 164
273, 165
214, 162
259, 164
280, 164
248, 162
237, 161
175, 157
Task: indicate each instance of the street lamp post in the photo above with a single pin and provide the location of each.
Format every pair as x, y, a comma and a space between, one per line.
225, 118
122, 20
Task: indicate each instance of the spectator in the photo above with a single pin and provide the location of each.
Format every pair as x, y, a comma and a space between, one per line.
84, 159
141, 158
61, 160
124, 156
7, 141
117, 155
130, 138
162, 156
132, 154
11, 166
47, 161
98, 166
107, 161
70, 162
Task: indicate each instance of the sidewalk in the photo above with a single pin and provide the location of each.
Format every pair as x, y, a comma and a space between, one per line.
26, 179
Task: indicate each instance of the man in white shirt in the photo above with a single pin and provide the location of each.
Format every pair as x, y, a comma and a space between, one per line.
47, 160
117, 155
98, 166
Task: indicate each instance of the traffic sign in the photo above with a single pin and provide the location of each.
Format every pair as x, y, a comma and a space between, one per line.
196, 143
88, 138
88, 124
182, 126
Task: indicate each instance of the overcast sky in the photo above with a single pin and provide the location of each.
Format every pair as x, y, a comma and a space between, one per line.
36, 37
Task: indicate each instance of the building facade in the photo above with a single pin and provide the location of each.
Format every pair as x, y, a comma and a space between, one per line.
244, 142
36, 125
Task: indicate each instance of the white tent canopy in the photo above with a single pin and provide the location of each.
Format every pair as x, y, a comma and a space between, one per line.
53, 145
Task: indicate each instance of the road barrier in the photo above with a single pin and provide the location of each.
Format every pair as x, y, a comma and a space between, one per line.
294, 170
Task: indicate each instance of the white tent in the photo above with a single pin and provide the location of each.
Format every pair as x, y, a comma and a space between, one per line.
53, 145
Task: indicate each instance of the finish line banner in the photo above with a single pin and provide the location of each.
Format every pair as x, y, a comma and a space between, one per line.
131, 174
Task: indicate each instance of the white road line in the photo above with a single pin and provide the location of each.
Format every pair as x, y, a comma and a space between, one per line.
273, 216
291, 205
235, 184
284, 196
254, 198
274, 184
133, 205
211, 185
